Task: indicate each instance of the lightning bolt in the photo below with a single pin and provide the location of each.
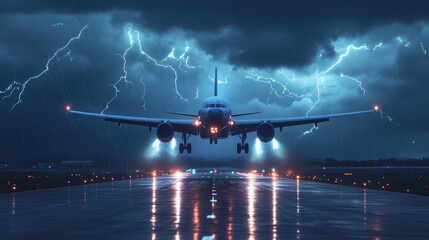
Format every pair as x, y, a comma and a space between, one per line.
286, 92
16, 86
122, 77
308, 131
197, 94
340, 59
407, 44
161, 65
384, 115
57, 24
423, 48
377, 46
354, 79
134, 38
320, 75
144, 90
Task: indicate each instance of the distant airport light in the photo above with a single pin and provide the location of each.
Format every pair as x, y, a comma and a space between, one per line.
84, 181
178, 174
297, 177
376, 108
68, 108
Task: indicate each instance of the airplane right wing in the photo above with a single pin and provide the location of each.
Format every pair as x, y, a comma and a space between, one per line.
245, 126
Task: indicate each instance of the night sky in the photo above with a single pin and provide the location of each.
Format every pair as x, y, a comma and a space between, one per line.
271, 57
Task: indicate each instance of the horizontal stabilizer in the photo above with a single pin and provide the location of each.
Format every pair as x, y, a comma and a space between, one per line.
244, 114
183, 114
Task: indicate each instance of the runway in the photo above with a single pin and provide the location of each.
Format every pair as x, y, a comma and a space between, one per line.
213, 206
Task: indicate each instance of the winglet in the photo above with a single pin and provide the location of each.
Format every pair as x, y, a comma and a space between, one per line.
215, 82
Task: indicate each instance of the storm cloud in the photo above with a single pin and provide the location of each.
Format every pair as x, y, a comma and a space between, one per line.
261, 49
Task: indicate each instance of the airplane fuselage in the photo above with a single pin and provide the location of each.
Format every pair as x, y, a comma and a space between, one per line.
214, 118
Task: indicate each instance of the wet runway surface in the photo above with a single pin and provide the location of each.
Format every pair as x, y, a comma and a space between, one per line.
213, 206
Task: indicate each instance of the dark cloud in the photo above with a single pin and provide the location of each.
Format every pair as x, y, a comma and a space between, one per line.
270, 34
303, 38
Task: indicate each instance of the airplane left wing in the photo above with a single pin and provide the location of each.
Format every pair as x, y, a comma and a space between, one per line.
245, 126
179, 125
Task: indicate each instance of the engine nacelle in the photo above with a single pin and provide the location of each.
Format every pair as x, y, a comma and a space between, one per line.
165, 132
265, 132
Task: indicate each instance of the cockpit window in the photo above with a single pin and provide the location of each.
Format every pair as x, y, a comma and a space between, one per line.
218, 105
206, 106
223, 106
212, 105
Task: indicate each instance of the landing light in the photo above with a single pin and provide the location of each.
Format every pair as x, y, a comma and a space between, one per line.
213, 130
231, 123
197, 123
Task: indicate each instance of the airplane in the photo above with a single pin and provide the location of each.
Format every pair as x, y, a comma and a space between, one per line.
215, 121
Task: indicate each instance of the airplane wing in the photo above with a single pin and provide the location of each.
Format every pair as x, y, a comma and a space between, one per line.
179, 125
245, 126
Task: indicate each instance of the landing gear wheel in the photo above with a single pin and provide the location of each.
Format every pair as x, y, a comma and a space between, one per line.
181, 148
215, 140
238, 148
189, 148
246, 148
211, 140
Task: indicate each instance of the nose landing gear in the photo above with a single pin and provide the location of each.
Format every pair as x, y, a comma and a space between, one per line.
242, 145
213, 139
185, 145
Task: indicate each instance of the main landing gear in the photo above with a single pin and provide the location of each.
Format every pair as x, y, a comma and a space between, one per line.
185, 145
242, 145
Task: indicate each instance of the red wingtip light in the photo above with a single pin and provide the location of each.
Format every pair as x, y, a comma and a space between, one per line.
68, 108
376, 108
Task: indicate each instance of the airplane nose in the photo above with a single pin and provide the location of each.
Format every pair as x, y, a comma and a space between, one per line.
215, 114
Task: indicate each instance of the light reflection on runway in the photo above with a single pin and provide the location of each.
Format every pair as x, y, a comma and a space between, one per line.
247, 206
178, 201
153, 219
251, 196
274, 181
297, 208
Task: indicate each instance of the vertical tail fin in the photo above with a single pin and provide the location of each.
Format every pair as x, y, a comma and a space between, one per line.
215, 82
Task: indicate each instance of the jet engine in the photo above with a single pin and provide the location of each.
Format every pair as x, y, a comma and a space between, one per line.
165, 132
265, 132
